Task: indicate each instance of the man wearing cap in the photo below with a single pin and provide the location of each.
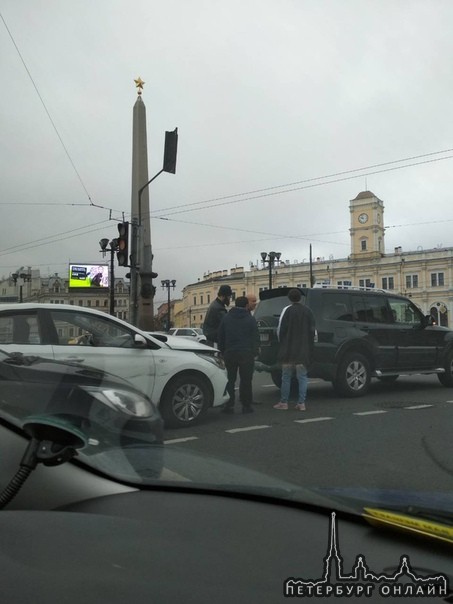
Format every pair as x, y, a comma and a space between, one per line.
216, 311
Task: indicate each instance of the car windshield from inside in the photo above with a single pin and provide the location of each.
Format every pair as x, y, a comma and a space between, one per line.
226, 255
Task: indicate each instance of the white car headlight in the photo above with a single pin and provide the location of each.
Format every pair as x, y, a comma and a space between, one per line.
123, 401
213, 358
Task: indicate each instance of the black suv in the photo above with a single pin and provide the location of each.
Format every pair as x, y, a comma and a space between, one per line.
361, 333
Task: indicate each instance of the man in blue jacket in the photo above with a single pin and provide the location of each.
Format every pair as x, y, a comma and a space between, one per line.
238, 342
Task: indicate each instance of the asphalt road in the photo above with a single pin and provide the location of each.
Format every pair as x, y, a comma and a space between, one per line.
398, 436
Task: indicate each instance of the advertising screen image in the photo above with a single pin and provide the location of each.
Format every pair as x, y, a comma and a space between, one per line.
88, 275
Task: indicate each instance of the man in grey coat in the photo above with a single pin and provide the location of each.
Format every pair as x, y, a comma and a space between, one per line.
296, 334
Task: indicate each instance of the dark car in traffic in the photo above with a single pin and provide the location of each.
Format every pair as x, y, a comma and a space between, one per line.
361, 334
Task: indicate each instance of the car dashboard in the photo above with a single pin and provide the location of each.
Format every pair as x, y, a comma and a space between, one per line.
73, 537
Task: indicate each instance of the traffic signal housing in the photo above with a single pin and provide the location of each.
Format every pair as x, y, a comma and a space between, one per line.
170, 151
123, 244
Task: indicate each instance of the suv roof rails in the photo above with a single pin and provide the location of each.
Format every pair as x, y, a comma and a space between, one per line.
353, 287
267, 294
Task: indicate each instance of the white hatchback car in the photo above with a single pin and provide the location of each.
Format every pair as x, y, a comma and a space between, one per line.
183, 378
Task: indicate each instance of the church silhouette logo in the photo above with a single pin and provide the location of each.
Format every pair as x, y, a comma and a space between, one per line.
334, 582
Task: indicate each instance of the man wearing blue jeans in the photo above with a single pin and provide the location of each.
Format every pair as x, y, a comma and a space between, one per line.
296, 334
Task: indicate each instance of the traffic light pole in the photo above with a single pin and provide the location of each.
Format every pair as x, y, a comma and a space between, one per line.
112, 279
141, 266
142, 312
133, 280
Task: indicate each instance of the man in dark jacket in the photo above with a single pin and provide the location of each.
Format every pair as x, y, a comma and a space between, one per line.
238, 342
296, 333
215, 313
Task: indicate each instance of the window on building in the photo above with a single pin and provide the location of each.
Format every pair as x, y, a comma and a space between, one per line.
80, 302
411, 281
88, 302
71, 302
363, 245
437, 279
365, 283
195, 300
97, 302
105, 302
201, 298
344, 283
388, 283
439, 313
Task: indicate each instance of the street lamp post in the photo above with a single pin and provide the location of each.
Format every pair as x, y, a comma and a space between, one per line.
168, 283
270, 258
26, 278
112, 249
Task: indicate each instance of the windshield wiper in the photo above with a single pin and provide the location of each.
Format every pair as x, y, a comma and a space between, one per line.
433, 524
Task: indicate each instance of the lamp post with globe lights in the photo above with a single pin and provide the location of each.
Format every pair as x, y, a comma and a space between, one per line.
270, 258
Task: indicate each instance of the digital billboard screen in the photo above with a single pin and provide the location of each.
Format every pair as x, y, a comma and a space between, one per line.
89, 275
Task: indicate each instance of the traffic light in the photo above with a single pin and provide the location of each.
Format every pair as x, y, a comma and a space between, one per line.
170, 151
123, 244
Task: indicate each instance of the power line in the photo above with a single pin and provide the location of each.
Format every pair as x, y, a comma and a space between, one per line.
52, 239
46, 110
307, 180
308, 186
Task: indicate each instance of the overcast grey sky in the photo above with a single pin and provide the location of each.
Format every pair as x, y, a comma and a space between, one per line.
264, 93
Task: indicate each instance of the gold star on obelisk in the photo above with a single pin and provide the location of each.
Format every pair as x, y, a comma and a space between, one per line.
139, 83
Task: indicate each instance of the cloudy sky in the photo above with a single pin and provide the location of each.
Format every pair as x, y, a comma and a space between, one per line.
271, 98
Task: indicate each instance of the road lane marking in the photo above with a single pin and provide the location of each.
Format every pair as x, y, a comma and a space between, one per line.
247, 429
313, 419
370, 412
418, 407
180, 440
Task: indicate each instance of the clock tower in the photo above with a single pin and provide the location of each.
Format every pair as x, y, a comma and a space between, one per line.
367, 226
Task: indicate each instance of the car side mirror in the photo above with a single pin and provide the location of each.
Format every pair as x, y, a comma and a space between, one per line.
140, 341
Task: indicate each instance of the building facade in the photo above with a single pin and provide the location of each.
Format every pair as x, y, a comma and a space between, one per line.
426, 276
32, 287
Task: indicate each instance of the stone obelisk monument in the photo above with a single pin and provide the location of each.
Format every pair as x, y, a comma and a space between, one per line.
141, 298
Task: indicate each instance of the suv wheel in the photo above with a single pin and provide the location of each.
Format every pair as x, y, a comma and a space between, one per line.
353, 375
446, 379
184, 401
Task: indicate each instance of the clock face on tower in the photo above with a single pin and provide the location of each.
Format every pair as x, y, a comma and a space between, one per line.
363, 218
